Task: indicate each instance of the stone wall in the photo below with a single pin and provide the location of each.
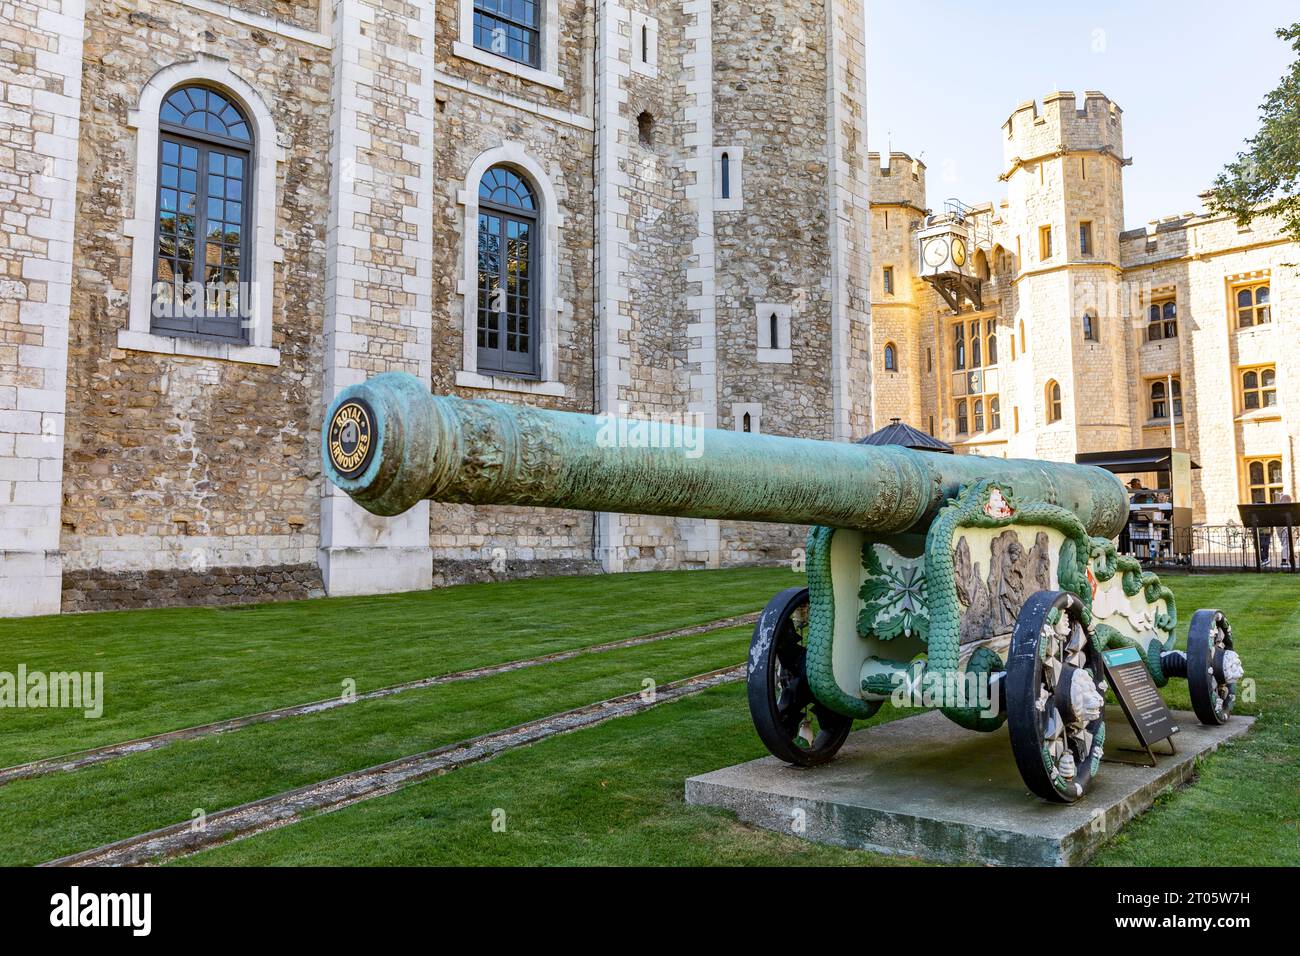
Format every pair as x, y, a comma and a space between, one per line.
40, 106
98, 590
379, 261
176, 462
547, 135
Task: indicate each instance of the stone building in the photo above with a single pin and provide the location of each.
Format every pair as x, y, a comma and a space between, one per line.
215, 215
1079, 335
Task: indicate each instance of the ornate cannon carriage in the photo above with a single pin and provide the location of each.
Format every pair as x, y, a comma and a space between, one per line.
986, 588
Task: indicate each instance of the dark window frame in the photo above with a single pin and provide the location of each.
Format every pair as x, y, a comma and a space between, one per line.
205, 326
492, 360
491, 10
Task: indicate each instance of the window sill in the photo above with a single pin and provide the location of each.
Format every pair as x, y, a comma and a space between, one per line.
472, 53
506, 383
776, 356
1162, 422
133, 341
1260, 415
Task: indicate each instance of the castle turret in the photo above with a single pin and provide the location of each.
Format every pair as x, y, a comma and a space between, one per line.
898, 209
1063, 169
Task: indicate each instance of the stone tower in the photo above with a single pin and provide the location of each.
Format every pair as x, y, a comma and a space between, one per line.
1063, 168
898, 208
733, 238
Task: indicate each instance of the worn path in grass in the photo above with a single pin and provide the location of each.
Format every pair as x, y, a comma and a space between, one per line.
173, 668
613, 794
85, 758
58, 814
288, 808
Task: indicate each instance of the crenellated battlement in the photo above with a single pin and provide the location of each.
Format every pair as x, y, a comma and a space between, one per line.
902, 180
1062, 123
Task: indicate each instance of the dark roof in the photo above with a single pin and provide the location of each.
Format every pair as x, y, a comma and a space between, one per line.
1129, 461
898, 433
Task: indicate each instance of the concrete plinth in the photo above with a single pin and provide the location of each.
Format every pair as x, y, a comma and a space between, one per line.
925, 787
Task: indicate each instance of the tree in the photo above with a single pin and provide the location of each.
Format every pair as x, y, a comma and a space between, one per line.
1265, 180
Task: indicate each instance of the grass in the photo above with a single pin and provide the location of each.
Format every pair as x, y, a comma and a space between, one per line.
605, 795
177, 667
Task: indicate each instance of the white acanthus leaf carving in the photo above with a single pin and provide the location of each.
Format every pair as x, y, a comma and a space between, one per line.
1232, 668
1085, 701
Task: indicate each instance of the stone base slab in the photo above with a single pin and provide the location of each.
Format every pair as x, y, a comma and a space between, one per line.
926, 788
350, 572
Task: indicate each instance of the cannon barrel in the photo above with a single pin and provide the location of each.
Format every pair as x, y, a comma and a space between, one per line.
389, 443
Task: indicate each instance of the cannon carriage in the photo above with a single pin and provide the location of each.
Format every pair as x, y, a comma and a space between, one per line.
986, 588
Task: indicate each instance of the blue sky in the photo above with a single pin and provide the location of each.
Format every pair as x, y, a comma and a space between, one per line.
1189, 75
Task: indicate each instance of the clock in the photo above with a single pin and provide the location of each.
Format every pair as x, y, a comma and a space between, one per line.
936, 252
959, 252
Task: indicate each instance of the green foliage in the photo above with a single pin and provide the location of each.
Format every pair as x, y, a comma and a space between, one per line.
1265, 180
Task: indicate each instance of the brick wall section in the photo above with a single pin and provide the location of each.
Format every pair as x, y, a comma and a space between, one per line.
379, 252
98, 590
175, 464
40, 105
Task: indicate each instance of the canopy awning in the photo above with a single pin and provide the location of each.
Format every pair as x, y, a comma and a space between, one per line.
1130, 461
899, 433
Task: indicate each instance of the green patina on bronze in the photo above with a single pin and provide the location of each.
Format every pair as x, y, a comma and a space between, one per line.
818, 664
481, 452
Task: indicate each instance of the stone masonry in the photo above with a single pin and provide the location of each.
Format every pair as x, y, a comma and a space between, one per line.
710, 244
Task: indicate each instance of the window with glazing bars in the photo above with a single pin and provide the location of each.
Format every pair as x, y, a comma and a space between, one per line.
509, 28
202, 242
508, 274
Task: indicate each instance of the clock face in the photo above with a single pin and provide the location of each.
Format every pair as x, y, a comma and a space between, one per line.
936, 252
959, 252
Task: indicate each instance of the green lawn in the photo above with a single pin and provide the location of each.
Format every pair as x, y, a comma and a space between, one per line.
178, 667
608, 794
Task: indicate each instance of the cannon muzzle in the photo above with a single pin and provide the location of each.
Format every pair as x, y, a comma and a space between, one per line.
388, 444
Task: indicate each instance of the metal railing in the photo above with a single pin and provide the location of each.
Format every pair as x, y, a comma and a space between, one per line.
1222, 548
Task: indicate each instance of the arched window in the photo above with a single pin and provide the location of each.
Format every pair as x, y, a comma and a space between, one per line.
508, 273
645, 43
1159, 407
1253, 305
1264, 479
509, 28
1162, 320
1053, 394
1259, 388
726, 176
1162, 399
203, 233
979, 414
746, 423
774, 330
995, 413
975, 359
991, 331
1090, 331
891, 357
959, 346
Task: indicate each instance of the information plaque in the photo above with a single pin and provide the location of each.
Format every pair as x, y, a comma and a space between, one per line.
1138, 698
